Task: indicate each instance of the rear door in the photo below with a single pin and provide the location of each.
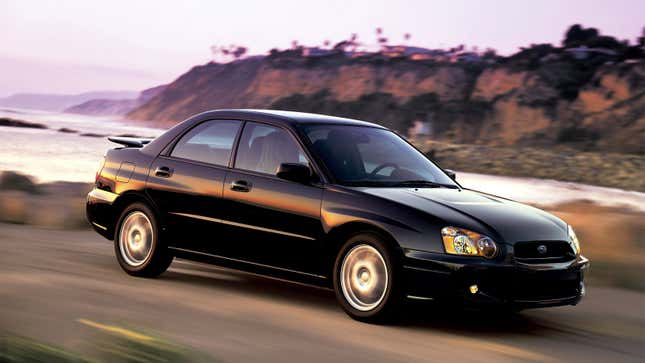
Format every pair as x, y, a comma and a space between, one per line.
186, 185
277, 222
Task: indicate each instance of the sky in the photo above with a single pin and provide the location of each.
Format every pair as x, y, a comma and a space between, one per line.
72, 46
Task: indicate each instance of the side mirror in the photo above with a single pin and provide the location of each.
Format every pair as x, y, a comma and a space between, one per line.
451, 174
294, 172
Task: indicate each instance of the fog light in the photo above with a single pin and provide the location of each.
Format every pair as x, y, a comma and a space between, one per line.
583, 290
473, 289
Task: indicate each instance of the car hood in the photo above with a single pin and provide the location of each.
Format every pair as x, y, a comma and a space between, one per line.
512, 221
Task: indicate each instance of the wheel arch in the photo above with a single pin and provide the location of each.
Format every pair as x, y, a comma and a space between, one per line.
338, 235
123, 201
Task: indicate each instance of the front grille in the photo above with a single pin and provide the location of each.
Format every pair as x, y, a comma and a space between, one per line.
531, 285
540, 288
544, 251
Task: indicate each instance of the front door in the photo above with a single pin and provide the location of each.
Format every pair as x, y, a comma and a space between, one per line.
277, 221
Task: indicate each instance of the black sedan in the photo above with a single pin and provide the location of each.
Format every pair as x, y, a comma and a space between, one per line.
328, 201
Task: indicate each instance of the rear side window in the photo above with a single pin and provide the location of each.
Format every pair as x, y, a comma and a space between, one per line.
263, 148
211, 142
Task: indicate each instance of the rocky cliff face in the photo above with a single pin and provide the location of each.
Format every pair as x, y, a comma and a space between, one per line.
502, 104
258, 83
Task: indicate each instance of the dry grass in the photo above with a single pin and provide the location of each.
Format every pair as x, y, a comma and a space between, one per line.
612, 238
43, 210
51, 205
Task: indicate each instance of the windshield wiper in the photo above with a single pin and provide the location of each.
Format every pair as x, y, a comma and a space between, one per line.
366, 183
423, 183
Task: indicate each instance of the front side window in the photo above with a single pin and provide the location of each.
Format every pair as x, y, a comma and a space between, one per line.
370, 156
211, 142
263, 148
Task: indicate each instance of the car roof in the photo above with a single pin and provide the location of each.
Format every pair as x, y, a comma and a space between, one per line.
287, 117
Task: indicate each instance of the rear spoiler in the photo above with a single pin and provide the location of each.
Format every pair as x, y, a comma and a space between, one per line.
130, 141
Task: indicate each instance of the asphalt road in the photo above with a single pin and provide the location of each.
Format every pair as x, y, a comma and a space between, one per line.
51, 279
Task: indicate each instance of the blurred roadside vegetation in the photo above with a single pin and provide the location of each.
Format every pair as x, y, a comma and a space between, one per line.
611, 237
52, 205
111, 344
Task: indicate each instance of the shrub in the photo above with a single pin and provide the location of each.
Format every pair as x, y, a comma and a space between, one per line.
10, 180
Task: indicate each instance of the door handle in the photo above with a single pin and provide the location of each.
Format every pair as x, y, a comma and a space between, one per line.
163, 172
240, 186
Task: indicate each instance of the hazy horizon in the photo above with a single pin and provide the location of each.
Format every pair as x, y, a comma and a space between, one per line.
77, 46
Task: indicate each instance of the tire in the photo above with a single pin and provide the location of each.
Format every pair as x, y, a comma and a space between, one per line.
366, 278
138, 244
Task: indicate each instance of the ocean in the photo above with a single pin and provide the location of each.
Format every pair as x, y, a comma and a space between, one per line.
51, 155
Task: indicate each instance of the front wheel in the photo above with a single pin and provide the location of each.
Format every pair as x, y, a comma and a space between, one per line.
138, 245
365, 278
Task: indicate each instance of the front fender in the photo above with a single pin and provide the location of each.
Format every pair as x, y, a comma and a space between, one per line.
408, 227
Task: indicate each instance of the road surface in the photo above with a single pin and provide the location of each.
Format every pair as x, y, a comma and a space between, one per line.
51, 280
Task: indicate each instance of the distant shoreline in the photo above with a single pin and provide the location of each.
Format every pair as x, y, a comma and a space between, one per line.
10, 122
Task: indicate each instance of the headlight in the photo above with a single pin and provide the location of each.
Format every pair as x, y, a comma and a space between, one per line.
459, 241
573, 240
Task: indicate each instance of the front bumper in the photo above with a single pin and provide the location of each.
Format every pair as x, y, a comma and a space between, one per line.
476, 281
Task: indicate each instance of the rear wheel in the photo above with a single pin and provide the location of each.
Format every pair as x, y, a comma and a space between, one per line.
365, 278
137, 244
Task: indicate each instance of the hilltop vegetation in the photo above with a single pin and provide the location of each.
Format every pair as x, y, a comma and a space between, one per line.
588, 93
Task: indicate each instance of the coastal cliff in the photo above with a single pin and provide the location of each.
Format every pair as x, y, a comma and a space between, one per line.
529, 98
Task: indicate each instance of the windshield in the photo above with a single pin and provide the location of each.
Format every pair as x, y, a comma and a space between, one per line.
369, 156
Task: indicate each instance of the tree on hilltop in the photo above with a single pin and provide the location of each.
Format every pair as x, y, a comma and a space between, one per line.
578, 36
228, 53
380, 38
350, 44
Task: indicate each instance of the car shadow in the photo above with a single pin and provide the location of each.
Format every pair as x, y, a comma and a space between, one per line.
211, 276
475, 322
